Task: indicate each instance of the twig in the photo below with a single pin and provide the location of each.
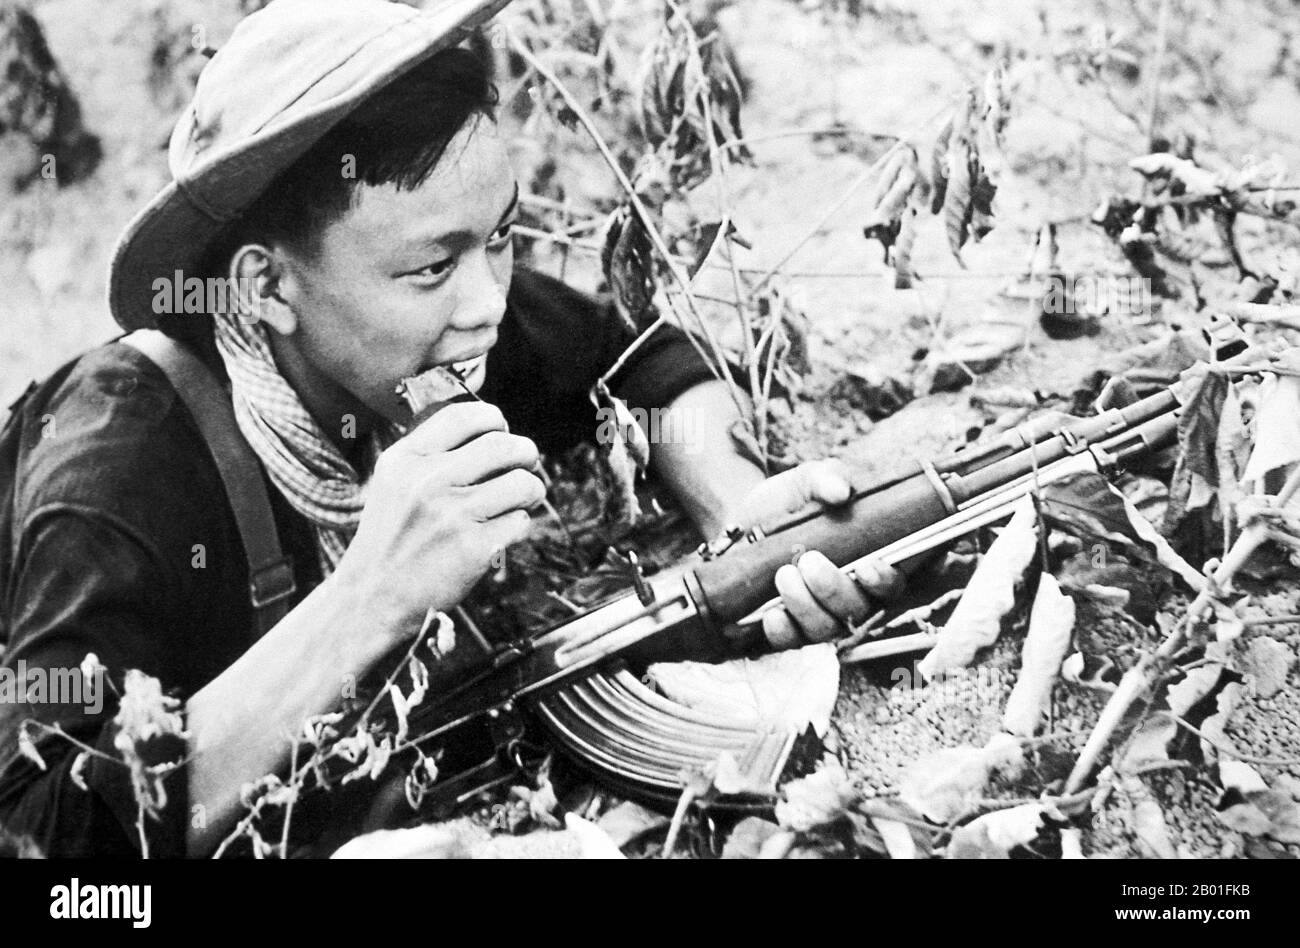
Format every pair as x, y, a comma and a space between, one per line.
830, 212
288, 809
835, 131
634, 346
690, 793
719, 366
1138, 679
1231, 751
1271, 620
718, 166
1156, 68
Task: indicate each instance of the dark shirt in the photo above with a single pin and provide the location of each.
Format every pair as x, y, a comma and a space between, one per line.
115, 499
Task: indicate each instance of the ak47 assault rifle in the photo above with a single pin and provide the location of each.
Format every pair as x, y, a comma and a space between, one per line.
576, 677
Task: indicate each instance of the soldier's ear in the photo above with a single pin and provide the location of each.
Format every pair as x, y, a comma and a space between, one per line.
256, 271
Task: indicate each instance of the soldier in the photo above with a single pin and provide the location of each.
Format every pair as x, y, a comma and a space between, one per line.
340, 167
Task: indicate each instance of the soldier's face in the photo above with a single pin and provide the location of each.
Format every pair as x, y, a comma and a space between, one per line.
406, 280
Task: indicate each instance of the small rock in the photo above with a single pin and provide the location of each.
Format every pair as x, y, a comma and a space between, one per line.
1269, 661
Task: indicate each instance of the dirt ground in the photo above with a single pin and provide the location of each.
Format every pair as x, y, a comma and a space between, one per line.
891, 71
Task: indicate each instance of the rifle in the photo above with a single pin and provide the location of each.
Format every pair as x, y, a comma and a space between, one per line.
576, 677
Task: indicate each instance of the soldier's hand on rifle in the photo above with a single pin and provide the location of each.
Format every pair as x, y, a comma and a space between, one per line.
821, 602
442, 503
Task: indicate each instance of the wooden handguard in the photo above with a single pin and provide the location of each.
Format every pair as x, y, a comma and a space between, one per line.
731, 586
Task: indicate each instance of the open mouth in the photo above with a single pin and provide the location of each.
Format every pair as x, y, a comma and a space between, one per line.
442, 383
467, 367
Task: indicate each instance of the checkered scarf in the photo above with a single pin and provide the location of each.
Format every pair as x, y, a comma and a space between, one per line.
302, 461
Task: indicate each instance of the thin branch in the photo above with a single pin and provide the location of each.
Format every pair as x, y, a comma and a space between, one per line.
870, 172
656, 239
1138, 680
1230, 751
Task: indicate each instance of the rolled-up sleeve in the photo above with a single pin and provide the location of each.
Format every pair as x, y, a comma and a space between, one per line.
556, 342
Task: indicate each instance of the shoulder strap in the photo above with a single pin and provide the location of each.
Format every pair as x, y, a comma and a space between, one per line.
270, 573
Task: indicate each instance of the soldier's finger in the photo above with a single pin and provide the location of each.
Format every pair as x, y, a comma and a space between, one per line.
815, 622
837, 594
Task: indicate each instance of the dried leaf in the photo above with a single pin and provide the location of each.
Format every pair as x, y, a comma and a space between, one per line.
900, 257
1148, 745
709, 235
628, 822
748, 838
1234, 775
400, 710
897, 838
973, 164
626, 446
444, 639
1231, 450
1214, 727
1089, 505
628, 263
939, 166
595, 842
1196, 476
1196, 685
989, 597
1261, 813
78, 772
778, 845
1152, 830
542, 803
786, 690
622, 426
1051, 624
1277, 427
944, 785
816, 800
1166, 556
1268, 662
1191, 180
27, 747
892, 205
994, 835
418, 842
679, 75
1072, 843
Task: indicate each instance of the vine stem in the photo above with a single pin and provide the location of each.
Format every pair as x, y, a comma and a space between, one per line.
635, 345
718, 165
1162, 42
829, 132
297, 774
1231, 751
719, 366
1137, 681
288, 807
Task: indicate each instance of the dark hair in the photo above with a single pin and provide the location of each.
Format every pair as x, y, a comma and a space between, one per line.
396, 137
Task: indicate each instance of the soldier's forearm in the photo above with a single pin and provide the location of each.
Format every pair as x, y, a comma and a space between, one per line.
698, 459
242, 723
